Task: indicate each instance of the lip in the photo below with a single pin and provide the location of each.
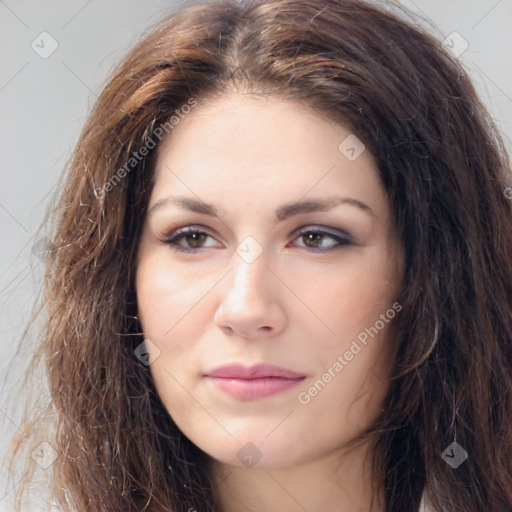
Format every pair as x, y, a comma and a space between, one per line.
254, 382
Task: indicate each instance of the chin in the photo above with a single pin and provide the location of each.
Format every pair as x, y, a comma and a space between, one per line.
256, 451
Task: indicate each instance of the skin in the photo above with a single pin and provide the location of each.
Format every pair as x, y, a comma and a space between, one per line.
293, 306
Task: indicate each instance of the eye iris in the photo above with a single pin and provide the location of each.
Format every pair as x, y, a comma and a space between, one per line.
196, 239
313, 239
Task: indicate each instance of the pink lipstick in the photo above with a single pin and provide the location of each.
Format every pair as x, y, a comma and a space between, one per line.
252, 383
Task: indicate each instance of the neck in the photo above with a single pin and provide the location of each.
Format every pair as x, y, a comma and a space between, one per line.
338, 482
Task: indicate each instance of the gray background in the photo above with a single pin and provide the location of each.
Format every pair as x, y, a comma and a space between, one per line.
44, 103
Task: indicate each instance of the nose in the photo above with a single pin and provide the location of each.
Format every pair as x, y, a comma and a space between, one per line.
251, 305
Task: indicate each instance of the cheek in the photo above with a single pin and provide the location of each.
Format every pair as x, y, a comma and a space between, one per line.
172, 318
166, 298
351, 300
155, 300
350, 297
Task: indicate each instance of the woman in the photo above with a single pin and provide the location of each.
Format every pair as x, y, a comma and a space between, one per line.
281, 274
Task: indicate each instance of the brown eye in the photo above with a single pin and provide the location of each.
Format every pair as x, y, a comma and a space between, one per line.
195, 239
312, 239
188, 239
320, 240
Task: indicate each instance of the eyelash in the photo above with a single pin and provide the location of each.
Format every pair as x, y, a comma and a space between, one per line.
173, 238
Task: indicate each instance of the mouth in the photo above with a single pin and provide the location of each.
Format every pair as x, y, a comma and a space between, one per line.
255, 382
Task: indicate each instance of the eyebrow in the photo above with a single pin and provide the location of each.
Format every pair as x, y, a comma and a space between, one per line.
283, 212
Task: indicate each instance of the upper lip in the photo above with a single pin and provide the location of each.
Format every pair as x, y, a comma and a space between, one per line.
257, 371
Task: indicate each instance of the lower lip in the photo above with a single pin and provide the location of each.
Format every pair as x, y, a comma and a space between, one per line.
251, 389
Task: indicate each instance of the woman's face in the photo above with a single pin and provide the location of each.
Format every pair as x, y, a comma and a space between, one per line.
287, 257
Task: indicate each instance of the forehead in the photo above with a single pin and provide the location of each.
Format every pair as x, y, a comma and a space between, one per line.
272, 149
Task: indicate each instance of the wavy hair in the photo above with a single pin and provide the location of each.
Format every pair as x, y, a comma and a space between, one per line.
445, 170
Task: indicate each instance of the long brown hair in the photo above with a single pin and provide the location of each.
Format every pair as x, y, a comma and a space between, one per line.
445, 171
